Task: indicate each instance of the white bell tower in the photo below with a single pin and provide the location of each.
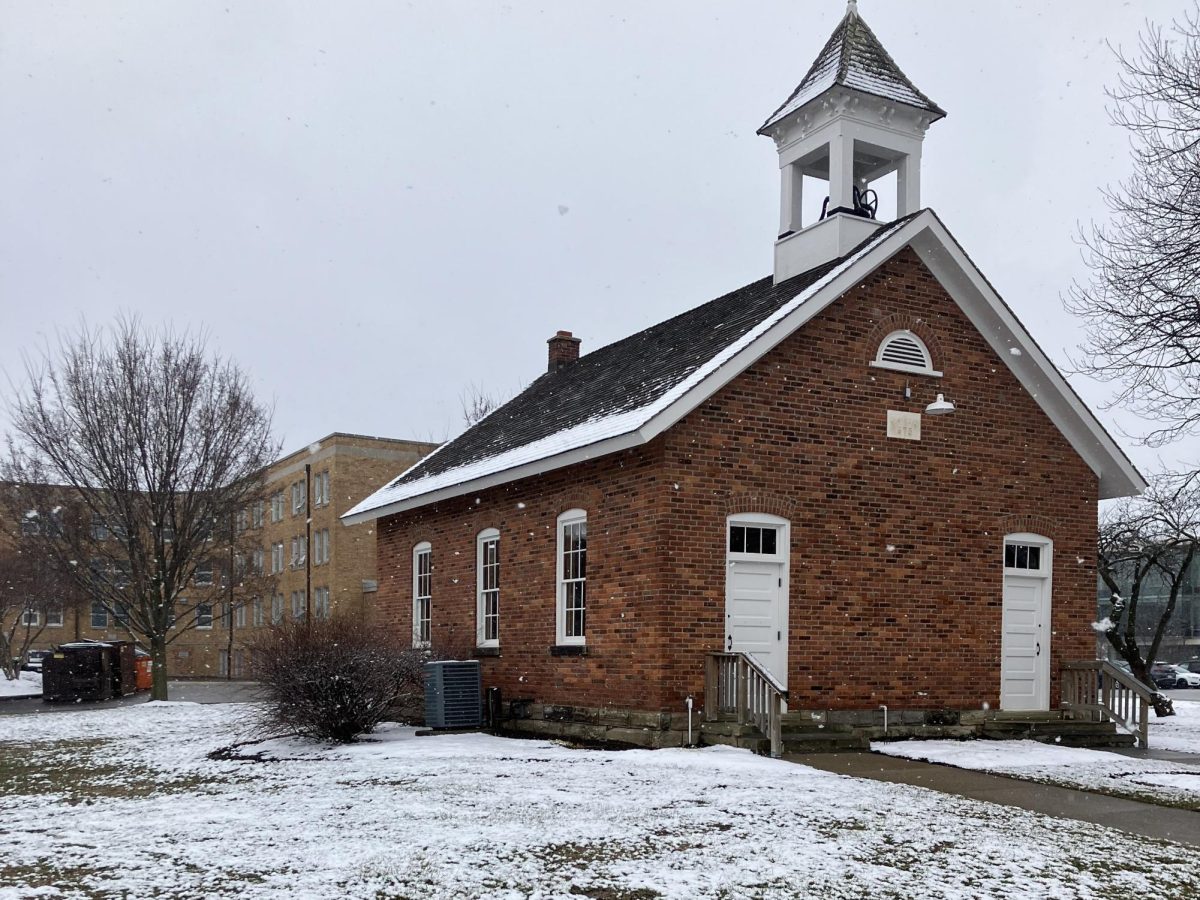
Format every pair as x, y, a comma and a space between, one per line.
854, 119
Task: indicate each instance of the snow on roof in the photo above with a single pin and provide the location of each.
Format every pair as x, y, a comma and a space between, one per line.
615, 390
853, 57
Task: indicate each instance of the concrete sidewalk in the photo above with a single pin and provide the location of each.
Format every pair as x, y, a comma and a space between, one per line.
1145, 819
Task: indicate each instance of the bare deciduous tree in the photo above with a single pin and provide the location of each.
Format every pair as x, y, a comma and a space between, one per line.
1142, 304
1145, 553
157, 444
34, 590
477, 404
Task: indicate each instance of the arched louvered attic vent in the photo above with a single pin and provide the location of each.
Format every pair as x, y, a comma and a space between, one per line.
905, 352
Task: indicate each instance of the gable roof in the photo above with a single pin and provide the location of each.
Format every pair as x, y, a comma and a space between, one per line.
854, 58
625, 394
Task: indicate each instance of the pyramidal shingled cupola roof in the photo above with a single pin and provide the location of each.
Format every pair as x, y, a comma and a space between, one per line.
854, 58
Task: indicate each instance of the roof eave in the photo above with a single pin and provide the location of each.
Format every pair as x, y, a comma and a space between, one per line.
931, 109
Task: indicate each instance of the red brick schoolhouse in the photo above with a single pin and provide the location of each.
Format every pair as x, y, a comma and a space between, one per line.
859, 478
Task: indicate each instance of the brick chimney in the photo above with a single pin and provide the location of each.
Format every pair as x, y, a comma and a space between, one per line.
564, 350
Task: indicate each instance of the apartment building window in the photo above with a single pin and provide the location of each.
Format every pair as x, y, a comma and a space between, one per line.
30, 617
299, 496
321, 603
256, 561
204, 615
276, 609
30, 526
54, 617
299, 551
572, 576
422, 594
239, 615
99, 615
256, 514
321, 489
487, 587
277, 506
277, 558
239, 663
257, 606
321, 547
298, 599
99, 528
204, 573
223, 665
243, 520
168, 532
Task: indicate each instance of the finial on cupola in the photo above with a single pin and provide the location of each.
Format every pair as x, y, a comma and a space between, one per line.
854, 119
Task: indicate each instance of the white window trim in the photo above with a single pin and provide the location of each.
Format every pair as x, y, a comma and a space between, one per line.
423, 547
28, 614
1046, 557
61, 615
211, 616
927, 369
570, 517
488, 534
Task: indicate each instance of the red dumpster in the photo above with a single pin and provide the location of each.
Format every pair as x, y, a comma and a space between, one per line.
143, 666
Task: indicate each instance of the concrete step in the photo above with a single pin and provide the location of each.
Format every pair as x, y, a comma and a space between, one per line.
809, 741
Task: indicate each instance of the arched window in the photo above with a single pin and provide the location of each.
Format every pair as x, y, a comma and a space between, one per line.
904, 352
572, 577
422, 594
487, 588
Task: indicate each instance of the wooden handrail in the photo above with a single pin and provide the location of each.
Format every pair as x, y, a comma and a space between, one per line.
735, 682
1097, 687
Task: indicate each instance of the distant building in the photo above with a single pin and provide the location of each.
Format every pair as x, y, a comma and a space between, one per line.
1181, 640
297, 569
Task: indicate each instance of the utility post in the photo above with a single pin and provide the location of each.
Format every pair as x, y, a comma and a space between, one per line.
229, 596
307, 544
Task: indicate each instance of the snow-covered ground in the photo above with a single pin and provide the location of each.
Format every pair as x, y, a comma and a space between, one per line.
125, 802
1159, 781
29, 684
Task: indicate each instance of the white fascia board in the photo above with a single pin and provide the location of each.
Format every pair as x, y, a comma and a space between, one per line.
504, 476
993, 319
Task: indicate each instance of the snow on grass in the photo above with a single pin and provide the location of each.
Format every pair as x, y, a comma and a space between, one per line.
1157, 781
28, 684
1180, 732
126, 802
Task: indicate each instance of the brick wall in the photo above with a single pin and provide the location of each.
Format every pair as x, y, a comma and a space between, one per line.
895, 571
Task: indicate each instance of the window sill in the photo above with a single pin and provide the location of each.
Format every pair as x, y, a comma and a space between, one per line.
569, 650
486, 651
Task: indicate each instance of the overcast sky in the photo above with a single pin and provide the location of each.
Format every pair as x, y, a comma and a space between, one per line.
372, 206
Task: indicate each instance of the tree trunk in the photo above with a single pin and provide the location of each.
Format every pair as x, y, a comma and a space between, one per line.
158, 659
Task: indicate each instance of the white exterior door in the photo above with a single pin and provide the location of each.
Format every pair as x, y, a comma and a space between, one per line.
1025, 632
756, 591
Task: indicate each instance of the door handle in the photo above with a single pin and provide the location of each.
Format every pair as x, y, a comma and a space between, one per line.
729, 644
1039, 648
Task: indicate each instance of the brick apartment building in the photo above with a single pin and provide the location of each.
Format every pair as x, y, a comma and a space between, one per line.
861, 472
328, 477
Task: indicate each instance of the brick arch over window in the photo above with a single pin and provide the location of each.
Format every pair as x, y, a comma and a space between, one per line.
775, 504
1029, 524
919, 327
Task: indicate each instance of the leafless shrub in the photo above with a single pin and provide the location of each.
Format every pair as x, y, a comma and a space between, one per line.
334, 679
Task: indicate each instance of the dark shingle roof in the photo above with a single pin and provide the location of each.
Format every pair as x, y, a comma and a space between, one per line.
623, 376
854, 58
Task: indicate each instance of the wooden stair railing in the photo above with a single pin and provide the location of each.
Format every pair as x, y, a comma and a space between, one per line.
735, 683
1103, 692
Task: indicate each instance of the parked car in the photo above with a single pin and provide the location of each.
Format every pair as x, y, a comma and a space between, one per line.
1192, 665
1169, 676
34, 662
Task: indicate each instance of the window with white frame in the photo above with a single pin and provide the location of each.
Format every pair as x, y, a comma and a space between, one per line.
204, 615
422, 594
299, 551
257, 606
99, 615
487, 588
54, 617
256, 514
239, 615
572, 577
276, 609
223, 664
903, 351
257, 559
204, 572
299, 496
1024, 556
298, 604
30, 617
31, 526
277, 558
321, 547
321, 602
321, 488
278, 504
